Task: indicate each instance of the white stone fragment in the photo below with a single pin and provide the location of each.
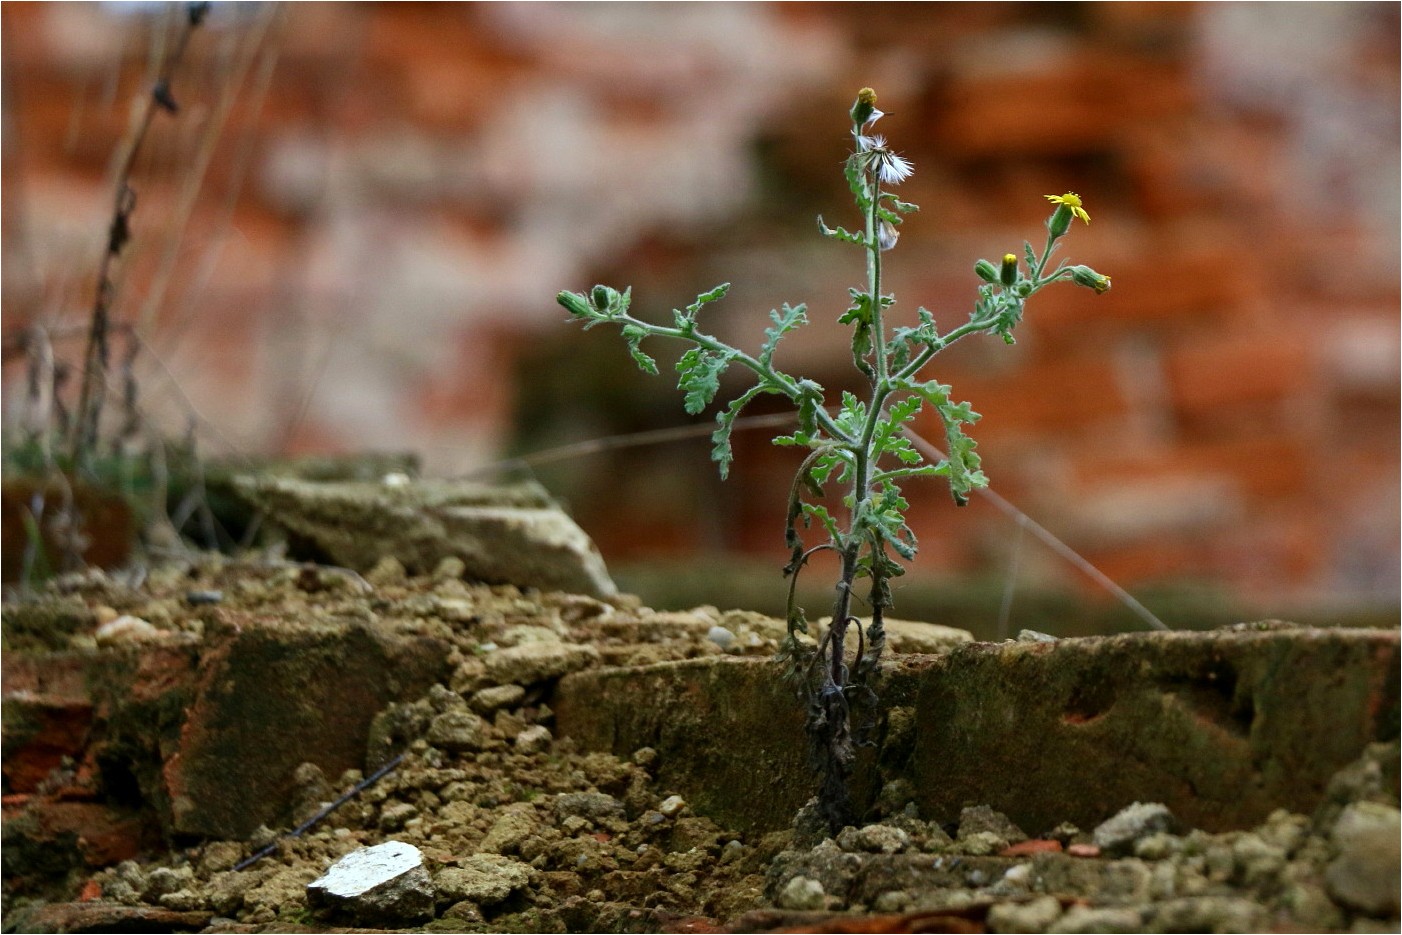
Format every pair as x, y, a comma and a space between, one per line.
368, 867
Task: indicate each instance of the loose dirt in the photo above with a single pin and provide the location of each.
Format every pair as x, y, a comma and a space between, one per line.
523, 832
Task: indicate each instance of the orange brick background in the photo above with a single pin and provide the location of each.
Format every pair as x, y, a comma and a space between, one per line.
351, 235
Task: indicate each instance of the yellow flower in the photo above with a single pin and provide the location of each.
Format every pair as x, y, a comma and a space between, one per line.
1072, 201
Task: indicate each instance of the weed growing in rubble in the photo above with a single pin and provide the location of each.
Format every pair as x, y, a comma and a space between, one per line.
860, 445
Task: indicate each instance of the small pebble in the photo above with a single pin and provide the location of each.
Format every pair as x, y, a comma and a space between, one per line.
672, 806
534, 739
1019, 874
497, 696
721, 636
802, 893
126, 629
197, 598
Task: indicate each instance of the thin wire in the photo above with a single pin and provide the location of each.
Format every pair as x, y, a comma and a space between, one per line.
1051, 541
311, 822
683, 432
616, 442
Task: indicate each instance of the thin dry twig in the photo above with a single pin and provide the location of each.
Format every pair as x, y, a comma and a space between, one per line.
92, 393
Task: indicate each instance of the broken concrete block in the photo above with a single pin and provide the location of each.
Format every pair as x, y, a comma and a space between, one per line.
502, 534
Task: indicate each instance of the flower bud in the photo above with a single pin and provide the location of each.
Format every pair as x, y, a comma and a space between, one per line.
864, 106
1060, 221
575, 304
986, 271
604, 297
1085, 276
1007, 273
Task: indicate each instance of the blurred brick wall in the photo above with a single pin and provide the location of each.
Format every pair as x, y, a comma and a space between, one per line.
351, 235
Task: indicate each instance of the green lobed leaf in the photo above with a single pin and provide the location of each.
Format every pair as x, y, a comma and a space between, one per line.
721, 452
859, 312
853, 413
700, 372
634, 336
686, 321
707, 297
813, 511
904, 207
810, 401
884, 515
823, 467
889, 439
784, 322
840, 233
904, 341
856, 181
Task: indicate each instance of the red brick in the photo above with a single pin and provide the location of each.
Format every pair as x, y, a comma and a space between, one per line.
1062, 110
1262, 468
1040, 397
1224, 371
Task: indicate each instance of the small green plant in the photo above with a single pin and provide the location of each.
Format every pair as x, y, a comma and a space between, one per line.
859, 445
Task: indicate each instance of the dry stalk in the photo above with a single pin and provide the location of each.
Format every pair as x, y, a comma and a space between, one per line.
92, 393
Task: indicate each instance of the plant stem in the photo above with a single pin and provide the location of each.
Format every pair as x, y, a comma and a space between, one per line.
781, 382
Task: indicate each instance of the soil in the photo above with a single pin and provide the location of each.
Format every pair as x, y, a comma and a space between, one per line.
521, 831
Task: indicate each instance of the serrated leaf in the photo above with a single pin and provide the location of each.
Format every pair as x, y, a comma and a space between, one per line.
904, 207
861, 347
888, 438
962, 412
686, 321
699, 379
840, 233
721, 451
889, 217
784, 322
852, 416
859, 312
634, 336
707, 297
822, 469
934, 392
904, 340
852, 171
817, 511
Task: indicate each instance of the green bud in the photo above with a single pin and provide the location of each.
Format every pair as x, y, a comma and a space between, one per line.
864, 106
1060, 221
1024, 289
986, 271
604, 297
575, 304
1085, 276
1007, 273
